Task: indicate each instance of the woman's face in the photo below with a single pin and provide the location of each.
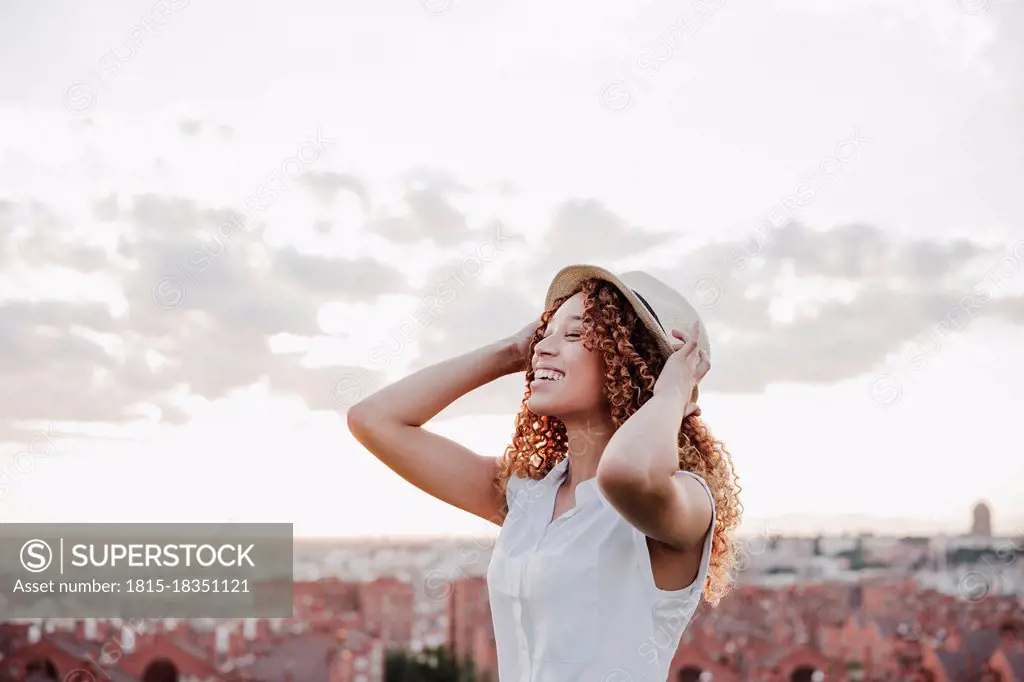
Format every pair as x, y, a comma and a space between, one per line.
578, 383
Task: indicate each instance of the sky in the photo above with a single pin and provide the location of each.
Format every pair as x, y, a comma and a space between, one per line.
221, 224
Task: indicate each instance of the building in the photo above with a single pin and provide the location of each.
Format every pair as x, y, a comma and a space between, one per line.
388, 608
982, 521
470, 628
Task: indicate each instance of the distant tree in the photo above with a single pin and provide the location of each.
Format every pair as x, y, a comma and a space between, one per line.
857, 561
435, 664
856, 557
780, 570
916, 540
970, 556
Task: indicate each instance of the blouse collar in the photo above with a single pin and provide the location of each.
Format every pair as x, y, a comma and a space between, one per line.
585, 490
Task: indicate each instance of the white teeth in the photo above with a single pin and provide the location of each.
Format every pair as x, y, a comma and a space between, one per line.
548, 374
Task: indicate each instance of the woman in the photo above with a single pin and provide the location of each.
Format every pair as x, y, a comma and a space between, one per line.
615, 503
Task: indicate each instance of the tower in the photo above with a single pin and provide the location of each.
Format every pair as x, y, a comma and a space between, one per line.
982, 522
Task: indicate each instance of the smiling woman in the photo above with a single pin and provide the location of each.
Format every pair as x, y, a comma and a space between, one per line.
609, 470
567, 377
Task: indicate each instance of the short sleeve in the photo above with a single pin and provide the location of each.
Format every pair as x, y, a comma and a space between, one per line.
644, 555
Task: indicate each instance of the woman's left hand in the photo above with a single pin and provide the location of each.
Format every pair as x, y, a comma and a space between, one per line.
684, 368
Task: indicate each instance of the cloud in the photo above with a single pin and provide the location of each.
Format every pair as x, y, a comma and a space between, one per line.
33, 234
357, 279
54, 373
851, 296
864, 252
479, 315
430, 216
190, 127
325, 185
585, 230
73, 360
848, 295
888, 293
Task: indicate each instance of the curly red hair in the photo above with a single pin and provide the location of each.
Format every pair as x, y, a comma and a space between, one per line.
632, 363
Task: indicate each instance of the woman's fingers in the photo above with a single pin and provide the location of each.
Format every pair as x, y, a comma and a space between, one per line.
688, 342
693, 340
703, 366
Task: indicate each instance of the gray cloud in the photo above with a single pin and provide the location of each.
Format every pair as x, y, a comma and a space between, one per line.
1010, 308
52, 372
190, 127
6, 231
106, 209
580, 231
238, 292
213, 342
325, 186
431, 215
341, 279
436, 179
33, 234
585, 231
477, 316
904, 291
837, 342
859, 252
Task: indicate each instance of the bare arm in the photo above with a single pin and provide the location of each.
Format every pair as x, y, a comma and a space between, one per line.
637, 469
637, 476
389, 424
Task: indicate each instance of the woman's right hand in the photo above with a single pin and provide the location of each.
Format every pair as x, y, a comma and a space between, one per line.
519, 344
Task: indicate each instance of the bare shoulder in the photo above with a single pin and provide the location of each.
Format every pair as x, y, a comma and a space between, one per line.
676, 566
698, 506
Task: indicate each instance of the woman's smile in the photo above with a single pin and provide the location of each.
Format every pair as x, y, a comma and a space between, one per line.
542, 381
546, 375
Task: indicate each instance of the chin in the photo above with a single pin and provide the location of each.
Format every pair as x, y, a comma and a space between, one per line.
541, 408
537, 409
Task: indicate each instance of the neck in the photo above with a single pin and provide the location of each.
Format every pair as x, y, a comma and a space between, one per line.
587, 438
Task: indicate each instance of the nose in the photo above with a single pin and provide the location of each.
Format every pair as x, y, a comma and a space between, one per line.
543, 348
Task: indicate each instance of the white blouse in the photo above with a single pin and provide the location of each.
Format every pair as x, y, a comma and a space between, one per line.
574, 600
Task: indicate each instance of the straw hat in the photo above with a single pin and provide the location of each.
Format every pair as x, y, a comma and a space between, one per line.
660, 307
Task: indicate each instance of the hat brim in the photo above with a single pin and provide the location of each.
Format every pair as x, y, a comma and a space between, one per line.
568, 280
